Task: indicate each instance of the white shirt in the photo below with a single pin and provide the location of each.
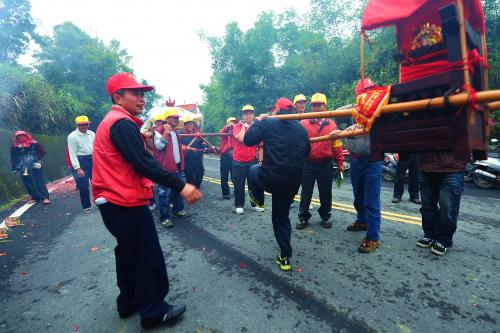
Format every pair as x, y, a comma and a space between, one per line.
80, 144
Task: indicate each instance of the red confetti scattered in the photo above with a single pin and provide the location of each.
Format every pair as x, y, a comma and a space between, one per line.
298, 270
93, 249
3, 254
24, 273
242, 265
75, 328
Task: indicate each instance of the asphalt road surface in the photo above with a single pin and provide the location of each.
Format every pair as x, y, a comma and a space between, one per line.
58, 272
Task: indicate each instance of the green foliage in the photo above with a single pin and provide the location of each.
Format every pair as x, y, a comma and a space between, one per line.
16, 29
284, 55
28, 102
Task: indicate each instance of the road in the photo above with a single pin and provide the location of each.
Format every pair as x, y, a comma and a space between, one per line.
58, 272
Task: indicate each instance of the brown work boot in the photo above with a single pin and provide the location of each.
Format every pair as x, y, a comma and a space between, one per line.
368, 246
357, 226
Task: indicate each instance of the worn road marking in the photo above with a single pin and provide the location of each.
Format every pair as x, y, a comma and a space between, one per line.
408, 219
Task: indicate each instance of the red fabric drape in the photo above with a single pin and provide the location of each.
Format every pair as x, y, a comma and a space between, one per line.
407, 15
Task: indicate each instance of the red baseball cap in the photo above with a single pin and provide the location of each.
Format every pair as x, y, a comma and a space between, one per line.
284, 103
124, 81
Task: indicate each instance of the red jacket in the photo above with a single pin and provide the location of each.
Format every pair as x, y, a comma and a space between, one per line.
166, 155
242, 153
113, 178
226, 142
324, 150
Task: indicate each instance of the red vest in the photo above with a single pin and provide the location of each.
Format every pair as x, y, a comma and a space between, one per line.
166, 156
226, 142
113, 178
242, 153
320, 151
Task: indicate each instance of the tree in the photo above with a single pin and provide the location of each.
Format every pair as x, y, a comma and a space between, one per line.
16, 29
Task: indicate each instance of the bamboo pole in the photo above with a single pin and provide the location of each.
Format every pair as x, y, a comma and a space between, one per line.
482, 97
189, 135
463, 41
495, 106
342, 134
485, 55
362, 60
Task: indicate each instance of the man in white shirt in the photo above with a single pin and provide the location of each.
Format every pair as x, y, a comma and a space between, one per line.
80, 148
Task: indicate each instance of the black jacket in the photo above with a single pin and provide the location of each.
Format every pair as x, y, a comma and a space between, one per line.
285, 144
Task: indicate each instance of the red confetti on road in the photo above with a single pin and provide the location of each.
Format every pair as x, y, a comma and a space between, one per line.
3, 254
242, 265
75, 328
24, 273
298, 269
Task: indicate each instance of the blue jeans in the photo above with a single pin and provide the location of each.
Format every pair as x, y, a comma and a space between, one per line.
441, 193
83, 183
366, 183
34, 183
167, 196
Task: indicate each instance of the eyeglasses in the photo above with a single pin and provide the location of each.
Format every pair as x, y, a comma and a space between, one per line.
315, 105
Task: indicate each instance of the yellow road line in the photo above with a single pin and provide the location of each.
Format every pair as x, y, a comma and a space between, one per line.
408, 219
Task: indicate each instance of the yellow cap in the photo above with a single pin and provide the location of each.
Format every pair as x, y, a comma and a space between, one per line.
82, 120
170, 112
299, 98
230, 119
247, 107
158, 117
318, 98
187, 119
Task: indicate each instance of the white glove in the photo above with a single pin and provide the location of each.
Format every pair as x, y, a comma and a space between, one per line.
37, 165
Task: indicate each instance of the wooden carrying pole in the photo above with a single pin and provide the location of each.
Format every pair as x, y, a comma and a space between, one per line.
343, 134
482, 97
190, 135
463, 41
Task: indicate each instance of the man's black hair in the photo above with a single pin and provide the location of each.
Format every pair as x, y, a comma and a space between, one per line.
120, 92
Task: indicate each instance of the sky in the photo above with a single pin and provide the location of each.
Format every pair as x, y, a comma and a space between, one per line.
161, 36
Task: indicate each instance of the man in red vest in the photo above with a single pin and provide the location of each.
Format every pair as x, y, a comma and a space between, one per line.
226, 158
122, 169
318, 166
168, 151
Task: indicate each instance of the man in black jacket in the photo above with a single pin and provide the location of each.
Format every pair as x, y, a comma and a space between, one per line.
285, 144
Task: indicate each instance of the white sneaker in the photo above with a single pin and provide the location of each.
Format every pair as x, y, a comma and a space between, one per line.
258, 209
311, 206
240, 210
292, 205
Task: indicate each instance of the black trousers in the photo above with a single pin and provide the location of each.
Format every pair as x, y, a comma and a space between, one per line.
399, 184
194, 170
283, 191
141, 273
240, 174
226, 164
322, 173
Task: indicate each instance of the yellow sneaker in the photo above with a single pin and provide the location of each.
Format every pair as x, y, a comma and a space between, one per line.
284, 263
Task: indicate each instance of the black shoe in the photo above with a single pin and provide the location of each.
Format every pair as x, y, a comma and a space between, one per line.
326, 224
416, 201
396, 200
226, 196
425, 242
171, 315
127, 313
438, 248
301, 224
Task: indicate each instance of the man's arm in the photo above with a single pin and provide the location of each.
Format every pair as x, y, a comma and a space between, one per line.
127, 139
72, 152
254, 134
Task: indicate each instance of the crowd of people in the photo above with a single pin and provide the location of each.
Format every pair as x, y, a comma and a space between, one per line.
133, 169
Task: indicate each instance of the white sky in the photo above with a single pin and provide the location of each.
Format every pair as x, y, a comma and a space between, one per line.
161, 36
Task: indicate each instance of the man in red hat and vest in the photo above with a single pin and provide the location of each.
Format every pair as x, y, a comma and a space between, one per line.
122, 175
